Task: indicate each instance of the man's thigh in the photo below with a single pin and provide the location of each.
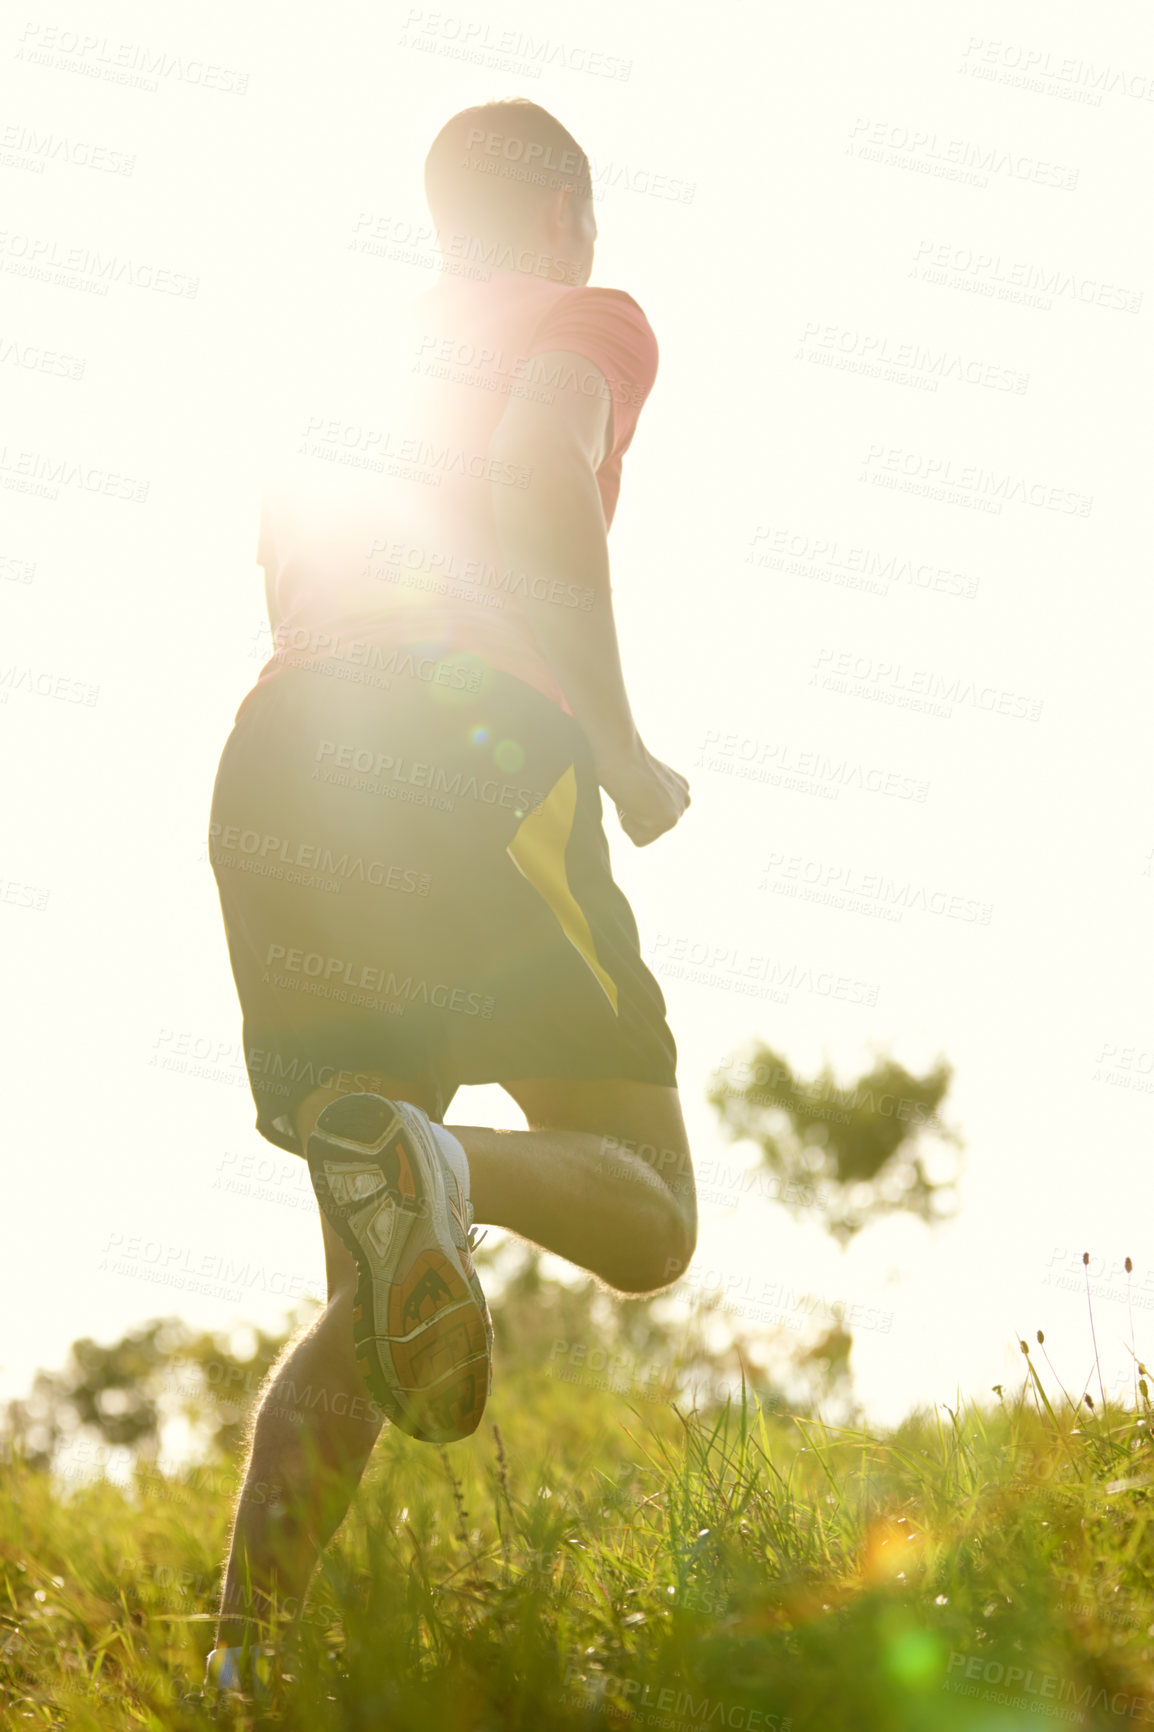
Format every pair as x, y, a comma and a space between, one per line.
644, 1117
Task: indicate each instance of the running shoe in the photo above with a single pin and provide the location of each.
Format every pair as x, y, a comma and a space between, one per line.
423, 1333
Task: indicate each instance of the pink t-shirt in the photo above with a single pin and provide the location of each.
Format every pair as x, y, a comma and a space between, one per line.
378, 531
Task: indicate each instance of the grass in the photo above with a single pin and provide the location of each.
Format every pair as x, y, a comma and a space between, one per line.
597, 1559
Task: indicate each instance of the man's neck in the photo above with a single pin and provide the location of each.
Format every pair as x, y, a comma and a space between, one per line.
511, 256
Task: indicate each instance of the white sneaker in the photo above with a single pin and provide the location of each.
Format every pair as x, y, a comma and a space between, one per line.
423, 1333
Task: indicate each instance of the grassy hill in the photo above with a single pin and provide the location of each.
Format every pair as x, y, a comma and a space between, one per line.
600, 1556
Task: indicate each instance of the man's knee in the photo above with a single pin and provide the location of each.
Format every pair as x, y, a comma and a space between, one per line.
680, 1252
665, 1254
669, 1242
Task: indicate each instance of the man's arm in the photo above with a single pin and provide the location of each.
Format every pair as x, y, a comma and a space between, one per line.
554, 530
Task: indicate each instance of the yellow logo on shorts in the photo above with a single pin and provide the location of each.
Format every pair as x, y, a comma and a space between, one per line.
538, 852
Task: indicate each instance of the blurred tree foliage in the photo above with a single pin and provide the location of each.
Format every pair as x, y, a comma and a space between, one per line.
858, 1146
121, 1395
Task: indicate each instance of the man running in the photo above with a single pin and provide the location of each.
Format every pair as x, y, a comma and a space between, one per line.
406, 837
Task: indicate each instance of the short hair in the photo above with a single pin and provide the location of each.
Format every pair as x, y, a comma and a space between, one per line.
492, 166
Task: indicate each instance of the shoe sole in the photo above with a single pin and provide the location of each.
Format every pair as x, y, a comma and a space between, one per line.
421, 1325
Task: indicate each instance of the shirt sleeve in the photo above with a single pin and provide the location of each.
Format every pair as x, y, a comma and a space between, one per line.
608, 327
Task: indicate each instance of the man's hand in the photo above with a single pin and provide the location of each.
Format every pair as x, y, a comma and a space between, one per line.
648, 795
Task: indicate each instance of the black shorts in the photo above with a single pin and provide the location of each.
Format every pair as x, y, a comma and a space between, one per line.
416, 881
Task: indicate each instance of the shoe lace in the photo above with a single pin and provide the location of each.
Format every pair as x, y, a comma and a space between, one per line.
464, 1219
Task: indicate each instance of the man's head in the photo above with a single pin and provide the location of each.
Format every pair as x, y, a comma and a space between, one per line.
508, 175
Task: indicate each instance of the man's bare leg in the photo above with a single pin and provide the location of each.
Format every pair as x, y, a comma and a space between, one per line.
305, 1460
603, 1178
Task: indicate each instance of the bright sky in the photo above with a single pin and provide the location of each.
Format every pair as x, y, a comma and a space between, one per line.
899, 448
